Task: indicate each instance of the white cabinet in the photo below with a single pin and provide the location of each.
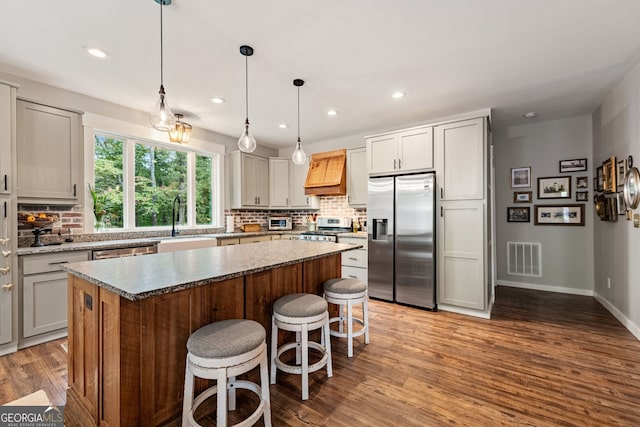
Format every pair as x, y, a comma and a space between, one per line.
279, 188
404, 151
49, 154
44, 291
355, 263
7, 270
461, 254
249, 180
461, 156
298, 176
357, 177
7, 136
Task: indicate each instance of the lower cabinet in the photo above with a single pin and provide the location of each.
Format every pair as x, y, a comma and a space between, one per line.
44, 291
228, 241
354, 263
461, 269
255, 239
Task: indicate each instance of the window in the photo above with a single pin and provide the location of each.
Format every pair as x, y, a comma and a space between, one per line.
139, 184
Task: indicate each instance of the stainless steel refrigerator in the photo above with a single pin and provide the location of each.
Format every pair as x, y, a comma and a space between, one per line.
401, 234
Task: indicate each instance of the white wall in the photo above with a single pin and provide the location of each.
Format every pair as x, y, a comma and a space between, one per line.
567, 251
616, 131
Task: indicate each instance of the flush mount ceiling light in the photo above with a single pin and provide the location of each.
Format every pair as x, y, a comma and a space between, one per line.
332, 113
283, 125
161, 117
398, 95
298, 157
217, 100
530, 115
96, 52
247, 142
181, 132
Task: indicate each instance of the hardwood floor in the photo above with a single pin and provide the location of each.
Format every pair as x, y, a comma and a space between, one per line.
544, 359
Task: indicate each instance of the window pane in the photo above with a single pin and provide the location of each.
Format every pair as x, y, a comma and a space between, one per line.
161, 175
108, 181
204, 196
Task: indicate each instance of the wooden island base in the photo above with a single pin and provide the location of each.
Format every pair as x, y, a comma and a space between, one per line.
127, 358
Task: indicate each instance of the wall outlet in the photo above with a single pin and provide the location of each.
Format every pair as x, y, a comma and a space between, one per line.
609, 282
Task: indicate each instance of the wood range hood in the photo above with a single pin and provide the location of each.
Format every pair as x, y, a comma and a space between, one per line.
327, 174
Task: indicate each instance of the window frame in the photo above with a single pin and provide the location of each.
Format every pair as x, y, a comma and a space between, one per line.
130, 134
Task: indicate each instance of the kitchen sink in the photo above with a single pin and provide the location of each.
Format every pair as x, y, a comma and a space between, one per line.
181, 243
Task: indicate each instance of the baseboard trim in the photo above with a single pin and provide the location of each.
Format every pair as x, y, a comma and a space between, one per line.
547, 288
465, 311
41, 339
628, 323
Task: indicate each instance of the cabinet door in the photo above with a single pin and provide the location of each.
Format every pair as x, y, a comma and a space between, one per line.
249, 179
44, 303
7, 119
48, 152
461, 147
381, 154
357, 177
415, 149
262, 183
299, 199
461, 278
279, 183
7, 274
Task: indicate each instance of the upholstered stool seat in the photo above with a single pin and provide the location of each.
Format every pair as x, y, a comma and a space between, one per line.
346, 292
220, 351
300, 313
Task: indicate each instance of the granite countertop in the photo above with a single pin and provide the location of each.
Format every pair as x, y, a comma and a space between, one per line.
140, 277
127, 243
357, 235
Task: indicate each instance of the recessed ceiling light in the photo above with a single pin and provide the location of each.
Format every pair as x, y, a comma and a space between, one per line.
217, 100
530, 115
283, 125
96, 52
332, 113
398, 95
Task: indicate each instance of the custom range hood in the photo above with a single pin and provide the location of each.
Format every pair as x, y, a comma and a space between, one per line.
327, 174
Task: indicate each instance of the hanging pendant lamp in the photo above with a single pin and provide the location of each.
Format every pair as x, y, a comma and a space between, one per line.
161, 117
298, 157
247, 142
181, 132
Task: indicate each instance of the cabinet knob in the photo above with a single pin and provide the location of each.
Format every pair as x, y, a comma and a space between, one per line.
7, 287
5, 270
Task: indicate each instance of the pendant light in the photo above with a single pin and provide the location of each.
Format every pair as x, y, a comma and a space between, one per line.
298, 157
181, 131
161, 117
247, 142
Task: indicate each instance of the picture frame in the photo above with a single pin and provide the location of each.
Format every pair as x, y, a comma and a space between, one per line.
554, 187
521, 177
518, 214
599, 180
582, 196
582, 182
573, 165
609, 175
621, 206
567, 215
522, 196
621, 172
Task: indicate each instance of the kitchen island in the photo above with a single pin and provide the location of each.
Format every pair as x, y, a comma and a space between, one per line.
130, 318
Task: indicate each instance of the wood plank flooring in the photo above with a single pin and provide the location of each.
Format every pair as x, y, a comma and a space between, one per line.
544, 359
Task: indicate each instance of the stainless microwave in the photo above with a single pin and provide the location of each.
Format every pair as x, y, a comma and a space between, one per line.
280, 223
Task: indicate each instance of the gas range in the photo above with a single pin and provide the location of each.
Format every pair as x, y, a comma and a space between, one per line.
328, 230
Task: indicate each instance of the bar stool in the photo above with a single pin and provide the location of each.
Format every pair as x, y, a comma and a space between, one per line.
300, 313
347, 292
220, 351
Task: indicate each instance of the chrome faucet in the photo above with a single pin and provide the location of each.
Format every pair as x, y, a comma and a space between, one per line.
175, 216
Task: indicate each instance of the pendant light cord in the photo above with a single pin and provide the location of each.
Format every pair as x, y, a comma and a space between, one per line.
161, 46
246, 86
298, 113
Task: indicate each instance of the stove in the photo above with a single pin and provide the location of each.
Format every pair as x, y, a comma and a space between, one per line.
328, 230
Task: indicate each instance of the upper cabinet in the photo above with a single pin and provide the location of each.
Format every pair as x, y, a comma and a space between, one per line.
49, 154
7, 135
357, 177
279, 188
461, 157
404, 151
249, 180
298, 198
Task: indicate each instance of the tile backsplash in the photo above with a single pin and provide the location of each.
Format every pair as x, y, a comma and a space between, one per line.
71, 218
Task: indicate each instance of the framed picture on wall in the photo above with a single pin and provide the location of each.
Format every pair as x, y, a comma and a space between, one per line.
573, 165
518, 214
582, 182
559, 214
599, 179
522, 196
554, 187
521, 177
609, 172
582, 196
622, 172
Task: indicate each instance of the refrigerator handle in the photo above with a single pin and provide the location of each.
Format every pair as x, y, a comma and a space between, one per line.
380, 229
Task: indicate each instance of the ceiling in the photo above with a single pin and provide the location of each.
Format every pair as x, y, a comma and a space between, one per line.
558, 58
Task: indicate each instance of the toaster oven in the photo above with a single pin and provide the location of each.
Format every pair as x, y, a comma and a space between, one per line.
280, 223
